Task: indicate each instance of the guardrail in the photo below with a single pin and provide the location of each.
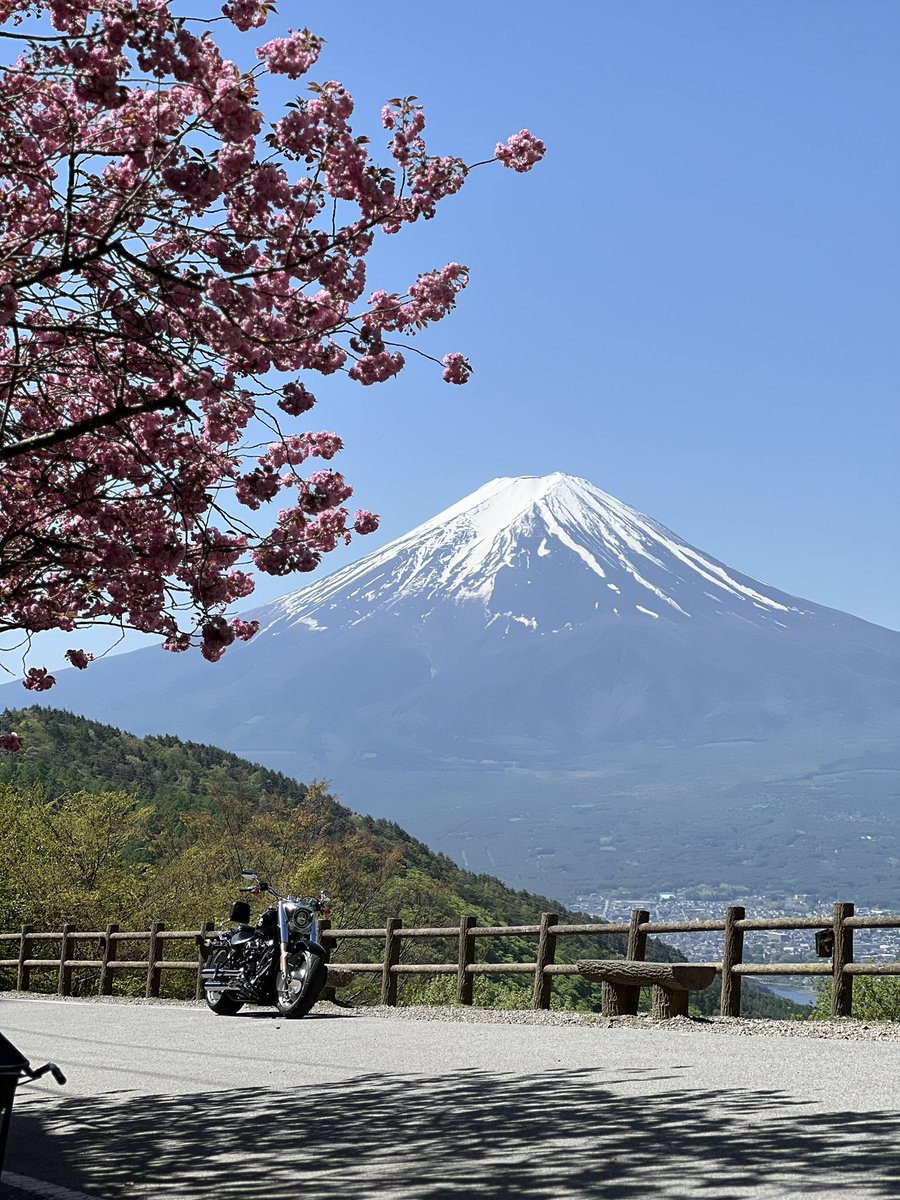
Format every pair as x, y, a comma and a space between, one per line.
543, 969
108, 963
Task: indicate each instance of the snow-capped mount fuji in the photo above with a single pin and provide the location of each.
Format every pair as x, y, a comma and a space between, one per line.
540, 675
546, 553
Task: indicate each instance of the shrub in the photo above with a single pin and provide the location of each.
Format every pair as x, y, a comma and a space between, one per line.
874, 999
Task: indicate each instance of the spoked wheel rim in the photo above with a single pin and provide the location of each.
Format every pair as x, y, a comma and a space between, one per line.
293, 983
221, 1002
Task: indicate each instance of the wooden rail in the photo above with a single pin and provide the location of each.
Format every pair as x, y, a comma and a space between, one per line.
841, 967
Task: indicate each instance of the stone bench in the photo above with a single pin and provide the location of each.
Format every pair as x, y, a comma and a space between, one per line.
670, 983
339, 978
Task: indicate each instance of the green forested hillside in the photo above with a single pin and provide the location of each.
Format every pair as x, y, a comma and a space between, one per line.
97, 825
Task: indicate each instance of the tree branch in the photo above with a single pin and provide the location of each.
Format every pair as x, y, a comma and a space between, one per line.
57, 437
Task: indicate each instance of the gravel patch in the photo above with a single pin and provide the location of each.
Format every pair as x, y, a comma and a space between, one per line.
846, 1029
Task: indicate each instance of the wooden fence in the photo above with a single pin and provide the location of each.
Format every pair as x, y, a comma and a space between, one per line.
841, 968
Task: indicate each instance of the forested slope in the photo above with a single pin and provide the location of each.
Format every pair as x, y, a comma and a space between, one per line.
98, 825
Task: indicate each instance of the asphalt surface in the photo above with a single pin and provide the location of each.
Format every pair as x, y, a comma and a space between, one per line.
175, 1102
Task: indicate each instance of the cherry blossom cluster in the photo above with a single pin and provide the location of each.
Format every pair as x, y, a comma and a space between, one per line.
292, 55
170, 280
521, 151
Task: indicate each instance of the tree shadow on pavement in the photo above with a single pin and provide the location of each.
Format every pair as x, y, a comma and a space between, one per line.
557, 1134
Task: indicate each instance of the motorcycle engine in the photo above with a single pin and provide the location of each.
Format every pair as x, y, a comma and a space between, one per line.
254, 962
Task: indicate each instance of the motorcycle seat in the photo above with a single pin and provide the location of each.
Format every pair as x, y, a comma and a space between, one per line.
243, 934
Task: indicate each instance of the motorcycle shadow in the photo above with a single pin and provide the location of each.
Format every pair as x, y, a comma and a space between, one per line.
265, 1014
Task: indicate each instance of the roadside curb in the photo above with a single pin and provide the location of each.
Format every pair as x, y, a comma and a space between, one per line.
38, 1187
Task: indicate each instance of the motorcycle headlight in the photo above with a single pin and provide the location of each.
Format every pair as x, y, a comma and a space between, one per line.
300, 919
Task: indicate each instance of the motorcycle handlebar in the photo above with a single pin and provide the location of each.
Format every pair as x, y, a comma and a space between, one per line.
322, 904
54, 1071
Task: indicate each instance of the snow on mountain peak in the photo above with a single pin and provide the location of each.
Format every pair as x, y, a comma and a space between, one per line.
544, 553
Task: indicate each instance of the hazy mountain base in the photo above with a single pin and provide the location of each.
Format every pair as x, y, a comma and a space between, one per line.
99, 826
664, 818
541, 679
796, 806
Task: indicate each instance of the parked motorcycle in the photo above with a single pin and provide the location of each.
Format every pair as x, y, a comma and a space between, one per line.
277, 961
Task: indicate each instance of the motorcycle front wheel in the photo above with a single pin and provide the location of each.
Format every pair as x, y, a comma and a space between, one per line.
306, 978
221, 1003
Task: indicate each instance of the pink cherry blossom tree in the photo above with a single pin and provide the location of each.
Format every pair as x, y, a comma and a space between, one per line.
172, 279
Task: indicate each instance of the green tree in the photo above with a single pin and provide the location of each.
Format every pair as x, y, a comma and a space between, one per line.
874, 999
76, 858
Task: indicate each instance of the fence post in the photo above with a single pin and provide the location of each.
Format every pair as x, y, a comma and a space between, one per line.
153, 971
328, 991
110, 947
205, 928
23, 975
841, 982
391, 958
546, 953
635, 951
464, 981
64, 985
732, 954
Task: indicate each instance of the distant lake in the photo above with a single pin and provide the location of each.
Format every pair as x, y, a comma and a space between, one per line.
790, 993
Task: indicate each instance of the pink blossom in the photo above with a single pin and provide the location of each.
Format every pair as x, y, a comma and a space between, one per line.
233, 162
244, 630
323, 445
521, 151
457, 368
97, 78
435, 179
247, 14
365, 521
430, 298
177, 643
9, 302
198, 183
376, 368
38, 679
69, 15
331, 489
217, 636
255, 488
79, 658
293, 55
295, 399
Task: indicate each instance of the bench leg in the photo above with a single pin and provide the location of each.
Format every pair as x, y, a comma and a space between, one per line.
631, 998
668, 1002
615, 1000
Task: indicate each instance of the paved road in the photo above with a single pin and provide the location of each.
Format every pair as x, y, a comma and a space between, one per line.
173, 1102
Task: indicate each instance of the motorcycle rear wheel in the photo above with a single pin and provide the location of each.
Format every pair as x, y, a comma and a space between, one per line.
293, 1006
221, 1003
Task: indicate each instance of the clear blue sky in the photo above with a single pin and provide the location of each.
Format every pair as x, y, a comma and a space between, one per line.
693, 302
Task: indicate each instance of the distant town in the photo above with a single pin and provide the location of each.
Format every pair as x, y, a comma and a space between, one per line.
775, 945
